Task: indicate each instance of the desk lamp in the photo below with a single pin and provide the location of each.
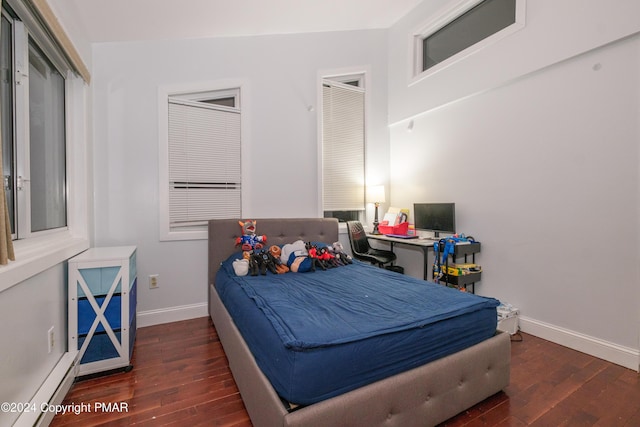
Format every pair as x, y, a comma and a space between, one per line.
375, 194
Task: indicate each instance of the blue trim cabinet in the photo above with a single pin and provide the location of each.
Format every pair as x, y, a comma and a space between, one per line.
102, 308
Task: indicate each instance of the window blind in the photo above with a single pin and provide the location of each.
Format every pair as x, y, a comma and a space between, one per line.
204, 163
342, 147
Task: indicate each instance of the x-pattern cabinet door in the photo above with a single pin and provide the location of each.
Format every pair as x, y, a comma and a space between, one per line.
102, 308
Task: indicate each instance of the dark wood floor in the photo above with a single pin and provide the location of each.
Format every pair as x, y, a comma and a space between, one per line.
181, 378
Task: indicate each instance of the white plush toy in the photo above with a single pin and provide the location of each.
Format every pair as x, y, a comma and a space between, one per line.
297, 247
241, 267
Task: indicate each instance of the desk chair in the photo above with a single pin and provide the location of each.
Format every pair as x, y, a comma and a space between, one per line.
361, 249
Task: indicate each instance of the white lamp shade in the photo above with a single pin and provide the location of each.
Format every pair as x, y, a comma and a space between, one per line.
375, 194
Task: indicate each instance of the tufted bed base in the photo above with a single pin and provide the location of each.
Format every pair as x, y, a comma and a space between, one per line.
423, 396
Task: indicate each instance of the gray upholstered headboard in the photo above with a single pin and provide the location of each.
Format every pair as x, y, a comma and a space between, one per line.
279, 231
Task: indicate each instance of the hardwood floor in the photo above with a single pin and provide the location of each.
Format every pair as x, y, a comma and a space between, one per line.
181, 378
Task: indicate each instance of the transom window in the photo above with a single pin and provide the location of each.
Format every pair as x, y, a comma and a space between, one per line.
465, 29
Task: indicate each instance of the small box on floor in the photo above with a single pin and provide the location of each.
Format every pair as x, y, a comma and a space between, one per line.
507, 318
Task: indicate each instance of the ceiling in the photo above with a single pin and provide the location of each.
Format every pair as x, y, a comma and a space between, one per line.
133, 20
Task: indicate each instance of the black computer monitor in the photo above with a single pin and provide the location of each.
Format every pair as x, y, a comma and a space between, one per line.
436, 217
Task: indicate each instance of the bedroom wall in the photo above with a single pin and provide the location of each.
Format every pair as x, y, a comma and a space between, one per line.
281, 76
74, 26
27, 311
30, 307
539, 151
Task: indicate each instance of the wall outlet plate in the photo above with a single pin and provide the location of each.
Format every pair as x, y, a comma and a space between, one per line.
154, 280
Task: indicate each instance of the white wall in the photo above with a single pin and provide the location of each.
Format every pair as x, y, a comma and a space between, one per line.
554, 32
34, 287
539, 150
280, 74
72, 23
27, 311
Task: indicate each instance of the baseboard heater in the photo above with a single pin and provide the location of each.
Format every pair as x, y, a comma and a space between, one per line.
52, 392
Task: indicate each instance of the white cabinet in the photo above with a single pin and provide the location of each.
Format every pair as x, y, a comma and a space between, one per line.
102, 308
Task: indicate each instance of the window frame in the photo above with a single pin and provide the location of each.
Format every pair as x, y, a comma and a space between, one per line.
38, 251
193, 91
8, 181
24, 40
444, 18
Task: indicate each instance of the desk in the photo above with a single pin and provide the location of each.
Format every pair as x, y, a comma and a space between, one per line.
425, 244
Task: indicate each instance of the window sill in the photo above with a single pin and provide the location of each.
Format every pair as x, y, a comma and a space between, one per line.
198, 234
33, 256
342, 228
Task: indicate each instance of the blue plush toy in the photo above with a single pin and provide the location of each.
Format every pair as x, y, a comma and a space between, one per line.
297, 258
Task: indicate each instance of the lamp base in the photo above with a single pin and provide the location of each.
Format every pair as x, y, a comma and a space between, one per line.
375, 222
375, 228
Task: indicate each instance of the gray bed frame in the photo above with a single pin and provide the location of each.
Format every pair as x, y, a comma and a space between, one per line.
424, 396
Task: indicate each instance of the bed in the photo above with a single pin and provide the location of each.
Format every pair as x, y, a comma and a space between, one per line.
424, 392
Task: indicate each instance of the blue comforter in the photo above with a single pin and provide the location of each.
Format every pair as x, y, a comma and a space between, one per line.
350, 303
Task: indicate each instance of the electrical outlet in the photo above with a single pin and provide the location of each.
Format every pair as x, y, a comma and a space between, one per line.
50, 340
154, 281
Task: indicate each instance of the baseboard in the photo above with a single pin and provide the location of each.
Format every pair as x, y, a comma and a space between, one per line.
51, 393
171, 314
614, 353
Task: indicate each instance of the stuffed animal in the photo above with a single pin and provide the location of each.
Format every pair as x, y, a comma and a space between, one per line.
336, 257
241, 267
296, 257
265, 262
275, 252
338, 251
249, 240
333, 259
312, 250
253, 262
326, 258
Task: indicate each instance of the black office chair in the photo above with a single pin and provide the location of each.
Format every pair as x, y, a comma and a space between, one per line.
361, 249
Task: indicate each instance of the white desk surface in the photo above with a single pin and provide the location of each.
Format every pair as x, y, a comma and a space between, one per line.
419, 241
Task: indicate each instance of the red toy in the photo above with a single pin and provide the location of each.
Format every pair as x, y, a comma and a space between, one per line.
249, 240
326, 258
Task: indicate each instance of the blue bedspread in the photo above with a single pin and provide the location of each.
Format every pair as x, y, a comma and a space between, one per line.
319, 334
305, 312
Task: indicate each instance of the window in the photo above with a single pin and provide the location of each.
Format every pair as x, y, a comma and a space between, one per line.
47, 149
32, 99
203, 161
45, 112
464, 28
343, 142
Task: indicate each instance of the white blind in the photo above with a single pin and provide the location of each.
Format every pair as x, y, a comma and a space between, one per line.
204, 163
342, 147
